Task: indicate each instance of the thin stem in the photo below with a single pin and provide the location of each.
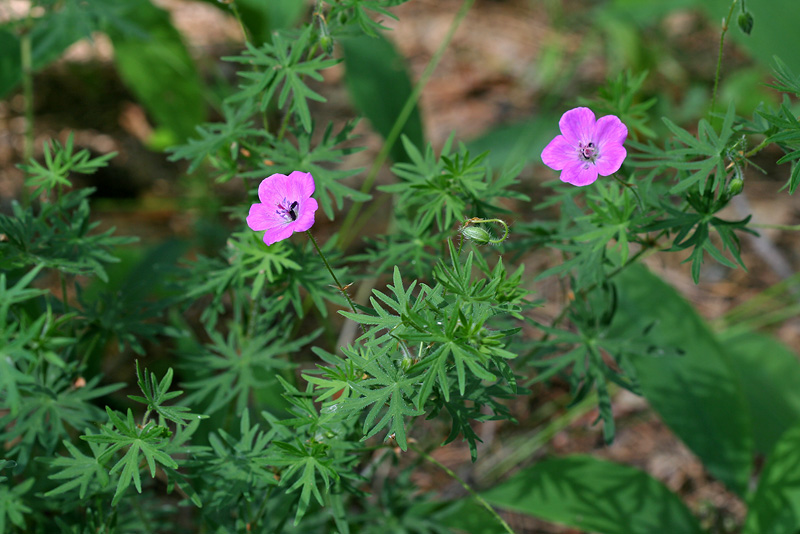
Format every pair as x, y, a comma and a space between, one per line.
725, 23
788, 227
26, 59
261, 510
284, 123
238, 16
464, 485
757, 149
339, 285
348, 233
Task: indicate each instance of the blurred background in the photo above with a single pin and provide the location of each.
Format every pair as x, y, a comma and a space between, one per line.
136, 77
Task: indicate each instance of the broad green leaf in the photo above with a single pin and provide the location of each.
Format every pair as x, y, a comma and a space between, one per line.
594, 495
10, 70
160, 72
467, 515
770, 376
699, 394
379, 86
520, 142
775, 505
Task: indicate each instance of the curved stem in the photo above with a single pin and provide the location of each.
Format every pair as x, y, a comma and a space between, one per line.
346, 233
464, 485
725, 23
339, 285
238, 17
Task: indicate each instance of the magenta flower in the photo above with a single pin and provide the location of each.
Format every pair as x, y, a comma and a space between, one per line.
586, 147
286, 206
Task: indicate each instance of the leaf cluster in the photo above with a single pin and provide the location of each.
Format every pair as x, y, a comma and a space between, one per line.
427, 352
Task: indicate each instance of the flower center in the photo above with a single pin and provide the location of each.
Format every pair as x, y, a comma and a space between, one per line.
287, 211
587, 152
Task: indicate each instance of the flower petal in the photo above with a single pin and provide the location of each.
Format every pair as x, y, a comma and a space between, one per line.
609, 129
305, 217
274, 189
273, 235
302, 184
262, 217
559, 153
579, 173
610, 159
577, 125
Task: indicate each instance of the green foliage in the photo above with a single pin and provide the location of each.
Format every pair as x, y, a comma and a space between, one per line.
380, 87
620, 97
775, 505
233, 367
786, 134
282, 64
432, 350
59, 235
158, 69
701, 381
594, 495
442, 337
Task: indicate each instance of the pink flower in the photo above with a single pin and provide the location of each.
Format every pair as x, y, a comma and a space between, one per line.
286, 206
586, 147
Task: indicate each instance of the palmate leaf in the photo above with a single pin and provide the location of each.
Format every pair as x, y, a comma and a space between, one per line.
699, 157
79, 470
48, 411
356, 11
60, 161
282, 63
389, 391
220, 142
443, 190
59, 236
145, 442
156, 393
246, 262
231, 368
235, 466
305, 463
12, 506
692, 230
287, 154
788, 138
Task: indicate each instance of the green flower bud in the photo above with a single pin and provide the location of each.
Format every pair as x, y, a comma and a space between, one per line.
746, 22
326, 42
477, 234
735, 186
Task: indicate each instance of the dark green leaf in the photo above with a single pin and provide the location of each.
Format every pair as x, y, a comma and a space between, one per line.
594, 495
770, 377
379, 86
699, 395
775, 505
160, 72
